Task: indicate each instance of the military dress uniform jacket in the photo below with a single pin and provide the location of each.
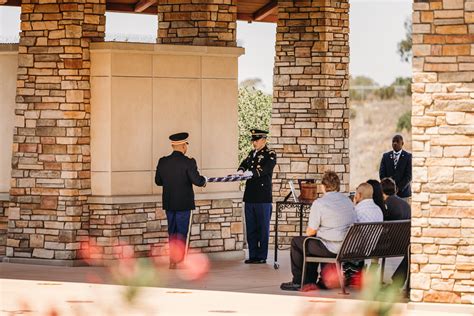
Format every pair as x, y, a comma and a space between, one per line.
258, 189
402, 174
177, 174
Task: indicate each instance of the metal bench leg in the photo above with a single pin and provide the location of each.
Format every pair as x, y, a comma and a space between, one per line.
342, 279
382, 270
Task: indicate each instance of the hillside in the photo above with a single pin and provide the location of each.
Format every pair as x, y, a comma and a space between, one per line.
372, 126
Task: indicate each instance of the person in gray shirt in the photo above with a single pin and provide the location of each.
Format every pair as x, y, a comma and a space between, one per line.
329, 219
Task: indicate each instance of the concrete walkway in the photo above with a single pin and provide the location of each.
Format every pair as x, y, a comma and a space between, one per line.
229, 288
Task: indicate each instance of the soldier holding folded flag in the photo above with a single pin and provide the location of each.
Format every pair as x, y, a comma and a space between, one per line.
259, 166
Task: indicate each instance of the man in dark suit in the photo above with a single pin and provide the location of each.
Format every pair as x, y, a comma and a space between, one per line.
396, 164
177, 173
397, 209
258, 196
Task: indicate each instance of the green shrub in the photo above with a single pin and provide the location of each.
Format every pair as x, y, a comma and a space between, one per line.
254, 112
404, 122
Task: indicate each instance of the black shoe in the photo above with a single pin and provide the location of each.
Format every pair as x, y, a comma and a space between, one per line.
250, 261
260, 261
290, 286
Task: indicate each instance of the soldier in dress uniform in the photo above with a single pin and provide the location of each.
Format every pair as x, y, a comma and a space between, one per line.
258, 196
177, 173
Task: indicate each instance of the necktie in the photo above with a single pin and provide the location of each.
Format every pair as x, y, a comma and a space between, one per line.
395, 159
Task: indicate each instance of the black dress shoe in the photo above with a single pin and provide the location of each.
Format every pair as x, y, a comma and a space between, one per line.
255, 261
290, 286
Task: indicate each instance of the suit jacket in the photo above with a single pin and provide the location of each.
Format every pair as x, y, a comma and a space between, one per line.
397, 209
401, 175
177, 174
258, 189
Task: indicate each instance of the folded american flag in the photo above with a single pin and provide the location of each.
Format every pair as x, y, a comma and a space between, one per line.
229, 178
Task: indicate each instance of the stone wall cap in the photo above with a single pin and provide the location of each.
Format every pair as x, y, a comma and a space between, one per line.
125, 199
166, 49
4, 196
12, 48
462, 309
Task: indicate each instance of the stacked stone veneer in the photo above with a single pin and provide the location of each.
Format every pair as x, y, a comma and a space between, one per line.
189, 22
3, 226
216, 227
51, 159
310, 115
442, 261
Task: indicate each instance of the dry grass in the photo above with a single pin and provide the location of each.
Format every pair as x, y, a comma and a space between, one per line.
371, 132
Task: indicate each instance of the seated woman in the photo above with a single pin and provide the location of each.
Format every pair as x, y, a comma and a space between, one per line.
329, 219
377, 195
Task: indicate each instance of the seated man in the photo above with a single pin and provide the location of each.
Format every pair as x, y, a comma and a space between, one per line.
397, 209
329, 219
366, 211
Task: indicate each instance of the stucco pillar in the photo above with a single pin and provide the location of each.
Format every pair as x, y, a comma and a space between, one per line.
186, 22
48, 215
310, 116
442, 261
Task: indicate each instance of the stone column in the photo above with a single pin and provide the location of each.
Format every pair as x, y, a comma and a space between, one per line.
207, 23
310, 116
442, 261
48, 215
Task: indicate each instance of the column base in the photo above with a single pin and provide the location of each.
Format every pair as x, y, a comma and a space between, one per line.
46, 262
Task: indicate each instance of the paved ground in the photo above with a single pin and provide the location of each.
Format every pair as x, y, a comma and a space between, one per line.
229, 288
223, 276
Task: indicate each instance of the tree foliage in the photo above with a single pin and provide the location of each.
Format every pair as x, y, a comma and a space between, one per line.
405, 45
254, 112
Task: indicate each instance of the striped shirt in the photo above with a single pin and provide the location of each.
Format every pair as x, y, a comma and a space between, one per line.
332, 215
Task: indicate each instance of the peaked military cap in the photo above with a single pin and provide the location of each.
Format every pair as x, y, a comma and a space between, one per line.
179, 138
258, 133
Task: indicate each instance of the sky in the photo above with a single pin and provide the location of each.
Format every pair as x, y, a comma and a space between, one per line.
376, 26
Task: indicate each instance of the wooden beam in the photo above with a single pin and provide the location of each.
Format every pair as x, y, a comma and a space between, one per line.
143, 4
128, 8
15, 3
265, 11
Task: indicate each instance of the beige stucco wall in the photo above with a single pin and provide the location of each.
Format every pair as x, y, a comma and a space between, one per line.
8, 68
142, 93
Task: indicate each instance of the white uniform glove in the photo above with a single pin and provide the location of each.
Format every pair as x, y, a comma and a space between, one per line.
248, 173
206, 178
239, 172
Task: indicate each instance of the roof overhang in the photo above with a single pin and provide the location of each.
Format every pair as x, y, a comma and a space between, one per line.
247, 10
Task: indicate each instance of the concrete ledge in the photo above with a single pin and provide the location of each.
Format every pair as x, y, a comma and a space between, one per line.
7, 47
132, 199
46, 262
166, 49
454, 309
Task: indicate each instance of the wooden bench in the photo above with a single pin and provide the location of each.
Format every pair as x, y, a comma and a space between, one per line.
378, 240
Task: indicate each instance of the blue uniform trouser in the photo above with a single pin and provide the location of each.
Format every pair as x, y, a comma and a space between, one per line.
178, 225
257, 223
